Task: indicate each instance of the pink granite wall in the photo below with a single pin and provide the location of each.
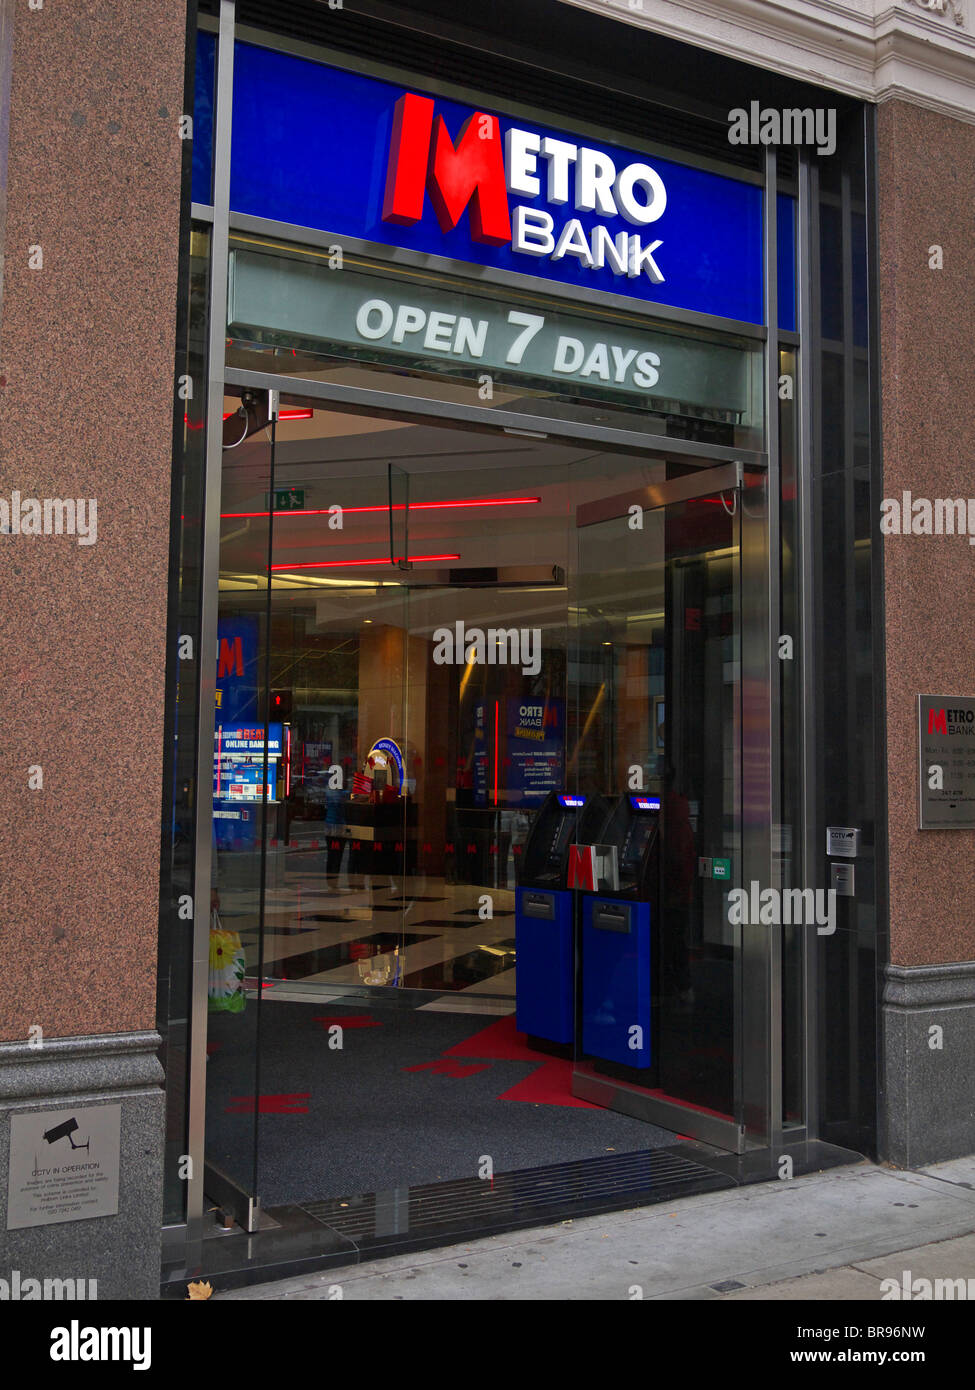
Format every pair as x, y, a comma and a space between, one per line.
86, 357
926, 179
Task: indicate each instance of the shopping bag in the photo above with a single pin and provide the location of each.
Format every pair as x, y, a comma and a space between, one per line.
225, 993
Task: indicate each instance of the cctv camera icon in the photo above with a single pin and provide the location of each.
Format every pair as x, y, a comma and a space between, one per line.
65, 1131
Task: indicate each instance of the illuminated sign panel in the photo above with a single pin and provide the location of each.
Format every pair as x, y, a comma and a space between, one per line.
369, 313
354, 156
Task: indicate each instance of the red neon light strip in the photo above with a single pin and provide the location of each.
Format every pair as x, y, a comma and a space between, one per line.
289, 413
357, 564
397, 507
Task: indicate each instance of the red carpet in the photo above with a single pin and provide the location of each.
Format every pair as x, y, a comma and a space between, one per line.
269, 1105
348, 1020
549, 1083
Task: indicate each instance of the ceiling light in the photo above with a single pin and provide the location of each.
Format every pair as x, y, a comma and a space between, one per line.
358, 564
397, 507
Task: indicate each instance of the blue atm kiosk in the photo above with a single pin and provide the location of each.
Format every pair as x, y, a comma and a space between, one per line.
545, 915
617, 941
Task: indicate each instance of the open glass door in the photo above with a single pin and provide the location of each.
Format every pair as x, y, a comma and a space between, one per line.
410, 718
247, 767
666, 974
313, 822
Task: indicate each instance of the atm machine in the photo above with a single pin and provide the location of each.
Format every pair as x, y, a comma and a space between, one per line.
618, 940
545, 915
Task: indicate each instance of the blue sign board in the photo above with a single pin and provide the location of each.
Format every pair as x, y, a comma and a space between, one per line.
535, 749
237, 674
321, 148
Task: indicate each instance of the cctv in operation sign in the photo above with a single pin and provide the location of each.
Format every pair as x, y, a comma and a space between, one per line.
64, 1165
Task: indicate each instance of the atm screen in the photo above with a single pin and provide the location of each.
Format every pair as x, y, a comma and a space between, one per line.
560, 842
641, 830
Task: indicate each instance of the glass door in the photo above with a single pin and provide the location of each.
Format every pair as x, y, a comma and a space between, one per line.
246, 804
313, 828
667, 972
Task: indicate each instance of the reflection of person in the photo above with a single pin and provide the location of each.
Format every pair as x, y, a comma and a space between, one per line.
334, 817
677, 889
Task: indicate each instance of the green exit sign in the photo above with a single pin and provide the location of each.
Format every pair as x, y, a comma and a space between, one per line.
721, 868
289, 499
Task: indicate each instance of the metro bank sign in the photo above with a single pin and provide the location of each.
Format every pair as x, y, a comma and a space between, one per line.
317, 147
477, 176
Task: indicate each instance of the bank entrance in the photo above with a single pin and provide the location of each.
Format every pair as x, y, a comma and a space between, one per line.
500, 666
477, 807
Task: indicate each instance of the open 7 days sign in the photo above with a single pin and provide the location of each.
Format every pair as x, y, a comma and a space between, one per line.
354, 156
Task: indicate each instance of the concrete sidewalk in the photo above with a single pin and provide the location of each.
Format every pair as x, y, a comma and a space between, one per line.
829, 1235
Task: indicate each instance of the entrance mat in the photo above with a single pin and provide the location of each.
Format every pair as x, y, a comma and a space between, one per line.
343, 952
417, 1100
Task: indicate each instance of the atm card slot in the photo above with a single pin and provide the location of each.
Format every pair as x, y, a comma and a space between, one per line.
612, 917
534, 905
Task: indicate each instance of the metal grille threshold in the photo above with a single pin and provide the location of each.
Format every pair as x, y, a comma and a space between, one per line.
438, 1212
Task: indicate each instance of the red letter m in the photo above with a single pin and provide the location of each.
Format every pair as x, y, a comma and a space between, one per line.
423, 159
231, 657
582, 866
937, 724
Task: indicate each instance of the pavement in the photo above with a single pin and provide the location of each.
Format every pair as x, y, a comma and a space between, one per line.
835, 1234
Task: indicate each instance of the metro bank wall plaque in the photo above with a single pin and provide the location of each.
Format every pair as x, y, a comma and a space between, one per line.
946, 770
64, 1165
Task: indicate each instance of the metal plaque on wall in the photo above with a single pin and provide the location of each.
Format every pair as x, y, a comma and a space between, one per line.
64, 1165
946, 767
